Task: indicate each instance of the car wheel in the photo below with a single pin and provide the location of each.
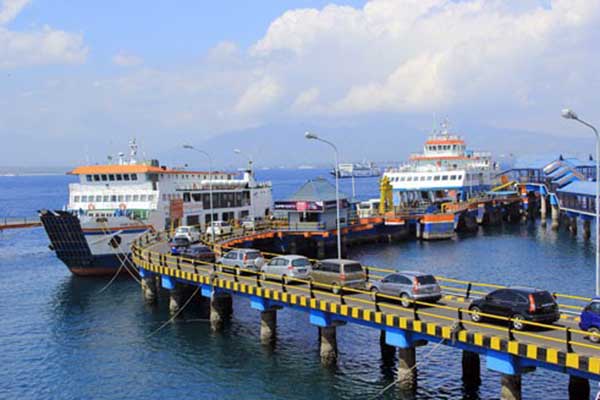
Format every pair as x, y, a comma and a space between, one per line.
335, 288
594, 336
405, 300
475, 314
374, 293
517, 322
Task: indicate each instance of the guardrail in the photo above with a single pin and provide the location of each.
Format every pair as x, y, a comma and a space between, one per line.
19, 222
376, 301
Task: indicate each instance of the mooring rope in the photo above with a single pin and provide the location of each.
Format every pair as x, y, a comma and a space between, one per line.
174, 315
124, 260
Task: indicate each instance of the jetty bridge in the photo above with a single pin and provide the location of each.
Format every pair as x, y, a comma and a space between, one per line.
561, 347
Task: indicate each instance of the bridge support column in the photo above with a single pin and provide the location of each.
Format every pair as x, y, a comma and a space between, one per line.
328, 349
511, 387
573, 225
471, 369
587, 232
175, 299
579, 388
407, 370
543, 209
388, 352
555, 217
148, 284
268, 326
220, 310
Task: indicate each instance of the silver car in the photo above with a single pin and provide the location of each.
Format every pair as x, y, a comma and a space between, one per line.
408, 285
246, 259
285, 267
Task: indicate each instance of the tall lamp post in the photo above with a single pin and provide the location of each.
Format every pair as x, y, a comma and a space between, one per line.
250, 162
312, 136
210, 188
570, 114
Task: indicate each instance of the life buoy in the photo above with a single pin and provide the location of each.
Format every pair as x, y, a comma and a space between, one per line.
91, 206
122, 206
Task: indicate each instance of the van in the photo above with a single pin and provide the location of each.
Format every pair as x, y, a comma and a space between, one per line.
339, 274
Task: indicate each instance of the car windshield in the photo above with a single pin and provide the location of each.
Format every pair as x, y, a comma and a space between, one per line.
252, 255
202, 249
348, 268
182, 230
180, 241
426, 280
300, 262
542, 298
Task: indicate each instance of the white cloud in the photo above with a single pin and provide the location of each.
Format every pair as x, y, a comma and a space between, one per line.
123, 59
259, 96
36, 47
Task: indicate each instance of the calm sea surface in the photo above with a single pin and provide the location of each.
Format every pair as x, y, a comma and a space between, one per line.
60, 339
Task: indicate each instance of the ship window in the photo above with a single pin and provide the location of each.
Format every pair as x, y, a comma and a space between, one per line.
436, 178
127, 197
119, 177
459, 177
422, 178
76, 199
96, 178
402, 179
408, 178
120, 198
136, 197
453, 177
111, 177
126, 177
429, 177
103, 177
84, 199
143, 197
113, 198
150, 197
444, 177
134, 177
105, 199
98, 198
88, 178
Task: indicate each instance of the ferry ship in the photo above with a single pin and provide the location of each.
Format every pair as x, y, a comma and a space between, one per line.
114, 204
357, 170
445, 171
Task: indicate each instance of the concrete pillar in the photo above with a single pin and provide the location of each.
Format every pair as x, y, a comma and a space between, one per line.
587, 233
543, 209
149, 289
220, 310
320, 249
511, 387
573, 225
471, 369
407, 371
328, 341
555, 217
268, 326
388, 353
579, 388
175, 299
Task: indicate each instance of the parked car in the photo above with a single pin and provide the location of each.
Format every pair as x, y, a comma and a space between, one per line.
199, 252
249, 224
339, 274
249, 259
590, 320
191, 233
519, 303
288, 266
408, 285
178, 244
219, 228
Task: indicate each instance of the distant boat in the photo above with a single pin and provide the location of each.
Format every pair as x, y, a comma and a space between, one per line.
357, 170
306, 167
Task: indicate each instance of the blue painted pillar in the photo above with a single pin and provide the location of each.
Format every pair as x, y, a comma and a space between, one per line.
407, 368
327, 336
268, 318
511, 367
148, 284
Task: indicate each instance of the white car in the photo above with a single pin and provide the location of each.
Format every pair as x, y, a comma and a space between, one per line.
249, 224
190, 233
219, 228
285, 267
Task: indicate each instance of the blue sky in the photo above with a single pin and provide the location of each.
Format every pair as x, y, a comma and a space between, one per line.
80, 78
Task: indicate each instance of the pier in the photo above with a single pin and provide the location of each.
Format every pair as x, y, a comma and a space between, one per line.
561, 347
19, 223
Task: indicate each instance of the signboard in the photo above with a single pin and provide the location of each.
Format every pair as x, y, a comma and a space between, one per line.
308, 206
176, 208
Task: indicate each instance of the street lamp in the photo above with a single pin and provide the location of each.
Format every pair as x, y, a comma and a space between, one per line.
312, 136
570, 114
250, 162
210, 188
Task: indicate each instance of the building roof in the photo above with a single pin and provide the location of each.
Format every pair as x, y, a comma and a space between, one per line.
319, 189
539, 161
587, 188
129, 169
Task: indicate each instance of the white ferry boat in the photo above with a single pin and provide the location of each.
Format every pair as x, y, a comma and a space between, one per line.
357, 170
445, 171
113, 204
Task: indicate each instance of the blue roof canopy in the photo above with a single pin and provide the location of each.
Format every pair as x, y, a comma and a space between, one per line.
586, 188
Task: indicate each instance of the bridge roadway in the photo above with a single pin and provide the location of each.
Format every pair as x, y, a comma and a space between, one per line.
560, 347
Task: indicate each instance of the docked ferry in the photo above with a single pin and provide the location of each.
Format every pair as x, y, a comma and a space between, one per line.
357, 170
111, 205
445, 171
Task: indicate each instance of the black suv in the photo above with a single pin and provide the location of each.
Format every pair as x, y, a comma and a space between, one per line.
199, 252
519, 303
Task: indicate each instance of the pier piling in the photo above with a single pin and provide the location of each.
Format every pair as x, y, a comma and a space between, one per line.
175, 299
407, 371
579, 388
555, 217
388, 353
511, 387
268, 326
587, 233
471, 369
220, 310
328, 344
149, 290
543, 210
573, 225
